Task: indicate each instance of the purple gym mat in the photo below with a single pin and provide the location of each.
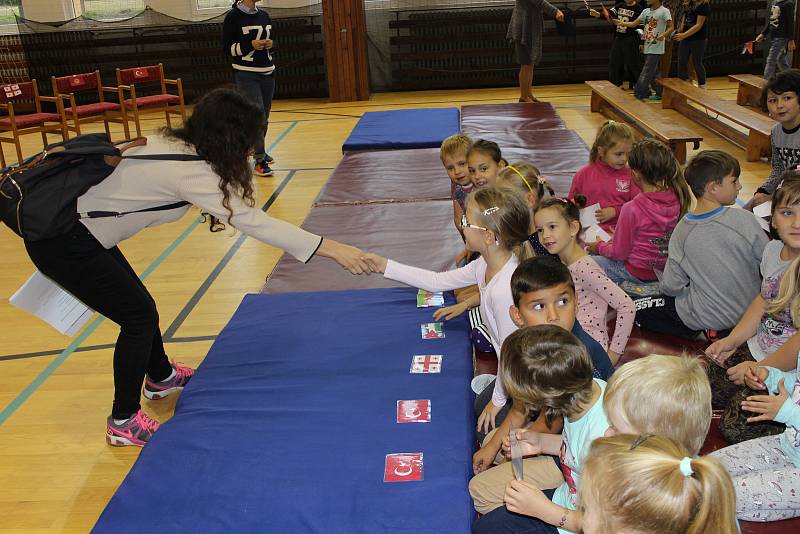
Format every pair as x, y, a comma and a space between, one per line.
509, 117
387, 175
418, 233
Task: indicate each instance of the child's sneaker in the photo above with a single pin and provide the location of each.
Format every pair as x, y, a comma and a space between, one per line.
268, 159
136, 431
159, 390
655, 98
262, 169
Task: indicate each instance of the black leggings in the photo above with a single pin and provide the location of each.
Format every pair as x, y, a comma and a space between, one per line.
697, 50
104, 280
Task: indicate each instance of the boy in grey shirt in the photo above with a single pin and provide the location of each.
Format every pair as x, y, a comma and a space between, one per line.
712, 273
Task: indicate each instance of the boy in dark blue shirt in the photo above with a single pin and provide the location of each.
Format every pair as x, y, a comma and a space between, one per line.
247, 40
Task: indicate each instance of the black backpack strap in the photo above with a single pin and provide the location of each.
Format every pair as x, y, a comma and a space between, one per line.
98, 214
167, 157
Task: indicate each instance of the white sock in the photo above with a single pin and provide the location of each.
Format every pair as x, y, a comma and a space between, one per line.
702, 86
170, 377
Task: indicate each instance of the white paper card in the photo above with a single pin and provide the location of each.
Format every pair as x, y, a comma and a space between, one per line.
763, 210
588, 217
763, 223
47, 300
594, 232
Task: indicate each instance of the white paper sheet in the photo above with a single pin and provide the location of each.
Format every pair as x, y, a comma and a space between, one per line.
588, 218
763, 210
47, 300
593, 232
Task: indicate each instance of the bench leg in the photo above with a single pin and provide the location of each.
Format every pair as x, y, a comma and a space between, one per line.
679, 149
758, 146
670, 99
596, 102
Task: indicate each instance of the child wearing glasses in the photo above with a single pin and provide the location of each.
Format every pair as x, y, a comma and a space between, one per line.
607, 180
495, 225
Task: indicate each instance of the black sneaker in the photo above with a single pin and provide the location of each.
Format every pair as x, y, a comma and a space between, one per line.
268, 159
262, 169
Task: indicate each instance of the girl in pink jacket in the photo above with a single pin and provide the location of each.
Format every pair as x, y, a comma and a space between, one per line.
640, 242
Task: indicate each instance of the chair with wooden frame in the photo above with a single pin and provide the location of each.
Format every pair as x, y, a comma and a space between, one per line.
169, 104
11, 95
90, 83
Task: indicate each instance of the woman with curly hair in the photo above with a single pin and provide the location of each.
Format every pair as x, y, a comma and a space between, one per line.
87, 262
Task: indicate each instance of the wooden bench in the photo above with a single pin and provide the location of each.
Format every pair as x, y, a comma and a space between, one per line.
616, 104
677, 94
750, 88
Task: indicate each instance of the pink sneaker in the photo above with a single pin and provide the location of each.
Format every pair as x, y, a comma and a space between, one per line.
159, 390
136, 431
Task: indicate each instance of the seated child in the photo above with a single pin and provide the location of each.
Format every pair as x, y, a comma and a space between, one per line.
781, 96
484, 162
653, 484
547, 369
663, 395
767, 331
526, 179
496, 226
543, 293
453, 153
711, 274
641, 237
607, 179
558, 223
766, 470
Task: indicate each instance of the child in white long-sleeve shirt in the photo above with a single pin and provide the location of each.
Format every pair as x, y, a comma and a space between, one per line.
495, 225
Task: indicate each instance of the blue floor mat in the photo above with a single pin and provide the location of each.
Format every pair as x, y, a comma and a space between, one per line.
286, 424
403, 128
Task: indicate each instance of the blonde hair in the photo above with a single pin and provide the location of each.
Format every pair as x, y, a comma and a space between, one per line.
546, 369
650, 484
609, 134
525, 178
505, 213
788, 194
455, 144
655, 164
665, 395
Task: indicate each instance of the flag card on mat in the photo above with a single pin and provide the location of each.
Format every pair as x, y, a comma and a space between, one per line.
414, 411
403, 467
432, 330
426, 299
426, 363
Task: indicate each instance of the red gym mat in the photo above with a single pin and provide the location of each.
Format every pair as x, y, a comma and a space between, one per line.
510, 117
387, 175
417, 233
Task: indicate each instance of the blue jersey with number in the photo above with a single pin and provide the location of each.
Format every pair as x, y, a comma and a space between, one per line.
239, 31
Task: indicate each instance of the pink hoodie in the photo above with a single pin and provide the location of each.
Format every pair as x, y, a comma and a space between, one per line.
610, 187
642, 235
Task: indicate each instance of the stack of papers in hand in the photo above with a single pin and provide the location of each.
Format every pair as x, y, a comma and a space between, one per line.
426, 299
762, 213
595, 232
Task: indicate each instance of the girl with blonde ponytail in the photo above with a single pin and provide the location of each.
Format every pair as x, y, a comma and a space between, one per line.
768, 326
495, 225
650, 484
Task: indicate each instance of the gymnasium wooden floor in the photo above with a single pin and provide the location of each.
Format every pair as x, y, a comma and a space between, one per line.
56, 471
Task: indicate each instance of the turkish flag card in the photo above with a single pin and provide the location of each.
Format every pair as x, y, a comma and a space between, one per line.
427, 363
414, 411
432, 330
403, 467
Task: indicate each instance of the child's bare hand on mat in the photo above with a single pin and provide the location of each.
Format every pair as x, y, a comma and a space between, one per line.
483, 459
450, 312
754, 377
766, 405
720, 350
377, 263
736, 373
524, 498
487, 417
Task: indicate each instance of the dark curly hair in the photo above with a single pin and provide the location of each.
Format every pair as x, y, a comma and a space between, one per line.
222, 129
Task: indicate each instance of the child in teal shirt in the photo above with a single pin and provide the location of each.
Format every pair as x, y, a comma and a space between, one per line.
658, 26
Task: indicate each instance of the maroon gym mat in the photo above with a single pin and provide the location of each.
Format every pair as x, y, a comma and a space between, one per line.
510, 117
387, 175
544, 139
417, 233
